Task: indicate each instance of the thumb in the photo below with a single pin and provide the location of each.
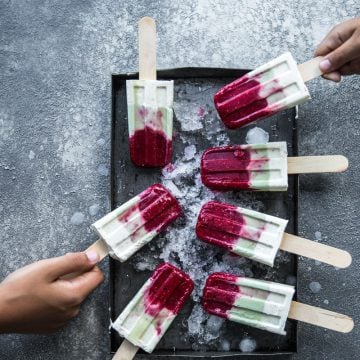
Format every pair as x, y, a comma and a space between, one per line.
70, 263
340, 56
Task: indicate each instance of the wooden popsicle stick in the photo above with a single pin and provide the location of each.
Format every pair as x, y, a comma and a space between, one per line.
314, 250
320, 317
310, 70
126, 351
317, 164
147, 49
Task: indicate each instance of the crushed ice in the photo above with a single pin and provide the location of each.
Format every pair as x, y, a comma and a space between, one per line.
94, 209
189, 152
247, 345
188, 116
315, 287
257, 135
78, 218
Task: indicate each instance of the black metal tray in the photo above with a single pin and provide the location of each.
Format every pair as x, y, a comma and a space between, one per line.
197, 86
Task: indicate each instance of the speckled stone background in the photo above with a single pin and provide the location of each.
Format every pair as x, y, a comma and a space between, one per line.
56, 61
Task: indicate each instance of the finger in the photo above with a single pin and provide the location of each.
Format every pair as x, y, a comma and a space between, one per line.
70, 263
351, 68
338, 35
340, 56
331, 41
333, 76
78, 288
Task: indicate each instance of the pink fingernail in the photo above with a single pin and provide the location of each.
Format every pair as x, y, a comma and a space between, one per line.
93, 256
325, 65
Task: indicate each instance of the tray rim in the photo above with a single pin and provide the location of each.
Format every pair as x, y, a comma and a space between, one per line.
187, 73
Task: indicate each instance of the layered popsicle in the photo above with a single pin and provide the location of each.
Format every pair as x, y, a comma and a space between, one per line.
261, 304
132, 225
262, 167
150, 101
244, 232
150, 119
259, 236
270, 88
246, 167
265, 305
149, 314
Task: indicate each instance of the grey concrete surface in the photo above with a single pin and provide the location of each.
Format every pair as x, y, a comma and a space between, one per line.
56, 61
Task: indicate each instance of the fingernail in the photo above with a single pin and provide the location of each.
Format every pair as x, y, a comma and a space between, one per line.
325, 65
93, 256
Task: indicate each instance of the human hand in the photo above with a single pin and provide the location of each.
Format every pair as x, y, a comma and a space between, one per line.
341, 48
39, 298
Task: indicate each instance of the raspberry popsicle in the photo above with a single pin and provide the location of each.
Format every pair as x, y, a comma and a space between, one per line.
259, 236
261, 167
150, 114
274, 86
132, 225
263, 304
149, 314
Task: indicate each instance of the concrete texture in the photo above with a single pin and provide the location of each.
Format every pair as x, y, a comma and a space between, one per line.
56, 60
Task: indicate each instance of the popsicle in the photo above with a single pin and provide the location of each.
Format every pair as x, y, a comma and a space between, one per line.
146, 318
265, 305
259, 236
150, 101
272, 87
262, 167
132, 225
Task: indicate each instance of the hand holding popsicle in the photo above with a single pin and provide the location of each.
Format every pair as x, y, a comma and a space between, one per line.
37, 299
132, 225
341, 50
